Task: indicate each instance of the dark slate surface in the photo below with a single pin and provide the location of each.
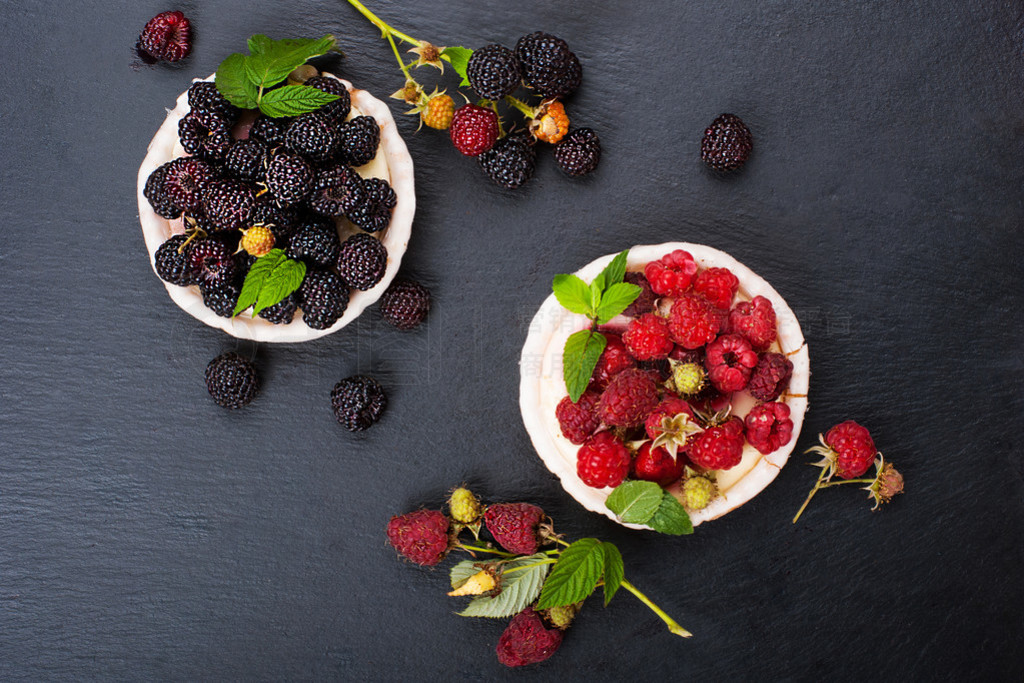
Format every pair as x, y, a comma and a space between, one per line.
147, 534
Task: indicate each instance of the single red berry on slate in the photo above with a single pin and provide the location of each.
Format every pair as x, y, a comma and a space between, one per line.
853, 448
579, 420
628, 399
420, 536
614, 359
526, 640
670, 406
768, 427
647, 337
657, 465
672, 274
730, 361
718, 285
166, 36
602, 461
473, 130
771, 377
514, 526
755, 320
720, 447
693, 321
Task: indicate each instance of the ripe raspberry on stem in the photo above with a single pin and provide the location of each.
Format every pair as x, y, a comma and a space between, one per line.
848, 450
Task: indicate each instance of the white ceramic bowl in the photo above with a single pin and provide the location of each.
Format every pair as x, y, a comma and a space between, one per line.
542, 387
392, 163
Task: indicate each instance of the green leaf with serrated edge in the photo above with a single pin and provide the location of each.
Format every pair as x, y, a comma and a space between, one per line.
521, 583
582, 351
575, 575
292, 100
671, 517
615, 300
462, 572
573, 293
282, 281
278, 58
232, 82
259, 44
613, 272
255, 279
614, 571
595, 295
635, 502
458, 57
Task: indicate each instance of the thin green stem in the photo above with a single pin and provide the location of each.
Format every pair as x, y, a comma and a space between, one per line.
401, 64
384, 28
526, 110
817, 485
673, 626
528, 566
476, 548
847, 481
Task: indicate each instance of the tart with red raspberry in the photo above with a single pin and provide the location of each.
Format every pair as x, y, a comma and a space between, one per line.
700, 385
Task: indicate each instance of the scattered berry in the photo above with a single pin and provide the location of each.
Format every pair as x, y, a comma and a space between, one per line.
551, 122
509, 163
718, 285
289, 178
771, 377
698, 492
312, 135
405, 304
579, 152
693, 321
647, 337
232, 380
579, 420
359, 139
602, 461
849, 449
316, 242
493, 72
323, 298
464, 507
228, 204
358, 402
420, 536
614, 359
727, 143
473, 130
755, 320
768, 427
630, 396
730, 362
172, 261
719, 447
257, 240
438, 112
656, 464
514, 526
166, 36
526, 640
548, 65
157, 197
672, 274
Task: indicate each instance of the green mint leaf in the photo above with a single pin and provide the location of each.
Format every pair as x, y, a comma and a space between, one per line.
582, 351
458, 57
256, 278
573, 293
635, 502
614, 571
292, 100
595, 295
275, 59
232, 82
575, 575
613, 272
671, 517
280, 282
615, 300
461, 572
521, 583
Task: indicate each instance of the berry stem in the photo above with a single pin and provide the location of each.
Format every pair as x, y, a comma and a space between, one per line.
525, 109
847, 481
817, 485
475, 548
385, 30
673, 626
401, 64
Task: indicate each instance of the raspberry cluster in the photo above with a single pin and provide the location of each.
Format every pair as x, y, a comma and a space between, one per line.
292, 184
659, 401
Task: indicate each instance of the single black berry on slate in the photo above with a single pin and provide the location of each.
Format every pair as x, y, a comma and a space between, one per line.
358, 402
405, 304
579, 152
493, 72
232, 380
727, 143
510, 163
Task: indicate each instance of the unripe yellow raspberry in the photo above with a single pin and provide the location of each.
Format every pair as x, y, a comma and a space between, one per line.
257, 240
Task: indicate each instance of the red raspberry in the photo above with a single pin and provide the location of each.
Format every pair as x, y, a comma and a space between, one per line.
166, 36
602, 461
514, 526
851, 448
670, 406
769, 427
644, 303
647, 338
578, 420
755, 320
657, 465
693, 322
719, 448
730, 361
614, 359
718, 285
473, 130
629, 398
771, 377
672, 274
420, 536
526, 640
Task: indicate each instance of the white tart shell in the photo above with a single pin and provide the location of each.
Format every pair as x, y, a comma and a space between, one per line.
392, 163
542, 387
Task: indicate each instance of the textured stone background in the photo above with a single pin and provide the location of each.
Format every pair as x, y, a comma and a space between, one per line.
147, 534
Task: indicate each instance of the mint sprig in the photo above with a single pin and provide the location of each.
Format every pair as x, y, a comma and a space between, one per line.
644, 502
270, 279
246, 80
603, 299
